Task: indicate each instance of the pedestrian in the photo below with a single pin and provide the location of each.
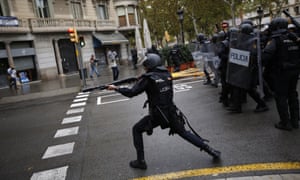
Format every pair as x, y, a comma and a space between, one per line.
12, 76
112, 56
157, 84
282, 56
93, 66
134, 57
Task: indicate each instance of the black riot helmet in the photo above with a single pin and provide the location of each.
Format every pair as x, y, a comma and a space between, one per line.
221, 36
279, 23
246, 28
247, 21
200, 37
152, 61
214, 38
232, 30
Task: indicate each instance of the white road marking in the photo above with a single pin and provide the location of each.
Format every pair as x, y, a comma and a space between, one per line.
76, 110
59, 150
73, 119
82, 96
183, 90
56, 174
99, 100
78, 104
82, 93
80, 100
66, 132
109, 102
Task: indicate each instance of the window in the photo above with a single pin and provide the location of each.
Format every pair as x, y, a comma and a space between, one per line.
121, 16
131, 15
102, 11
77, 9
4, 8
42, 8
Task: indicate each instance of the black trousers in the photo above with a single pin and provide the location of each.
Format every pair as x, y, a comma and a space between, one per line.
286, 97
143, 125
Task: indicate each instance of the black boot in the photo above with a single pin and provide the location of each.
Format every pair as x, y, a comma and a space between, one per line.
214, 153
138, 164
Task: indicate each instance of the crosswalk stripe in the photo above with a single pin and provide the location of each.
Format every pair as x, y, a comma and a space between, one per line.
78, 104
72, 119
57, 174
76, 110
82, 96
66, 132
82, 93
80, 100
59, 150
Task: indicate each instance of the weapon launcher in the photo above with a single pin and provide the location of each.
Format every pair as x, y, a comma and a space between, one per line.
116, 83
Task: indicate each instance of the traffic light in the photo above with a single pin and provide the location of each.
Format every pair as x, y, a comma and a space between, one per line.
73, 35
81, 41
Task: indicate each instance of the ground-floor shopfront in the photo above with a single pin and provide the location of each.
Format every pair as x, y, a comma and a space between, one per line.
47, 56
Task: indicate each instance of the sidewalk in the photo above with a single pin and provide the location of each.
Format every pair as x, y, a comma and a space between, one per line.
63, 85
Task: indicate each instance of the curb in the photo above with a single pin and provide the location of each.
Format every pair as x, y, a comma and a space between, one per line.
31, 96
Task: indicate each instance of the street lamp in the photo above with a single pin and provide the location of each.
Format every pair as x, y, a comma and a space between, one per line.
180, 16
260, 14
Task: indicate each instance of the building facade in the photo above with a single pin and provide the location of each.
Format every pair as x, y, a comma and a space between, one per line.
293, 7
34, 37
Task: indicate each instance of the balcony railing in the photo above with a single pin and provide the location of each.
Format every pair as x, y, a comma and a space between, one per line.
46, 25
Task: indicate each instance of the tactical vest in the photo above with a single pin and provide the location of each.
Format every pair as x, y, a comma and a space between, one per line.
288, 52
161, 93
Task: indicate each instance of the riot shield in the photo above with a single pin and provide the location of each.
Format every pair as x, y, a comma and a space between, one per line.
242, 64
205, 56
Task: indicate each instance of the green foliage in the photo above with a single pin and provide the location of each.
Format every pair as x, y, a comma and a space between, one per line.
199, 15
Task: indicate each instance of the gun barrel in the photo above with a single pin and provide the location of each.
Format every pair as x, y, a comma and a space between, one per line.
286, 13
292, 19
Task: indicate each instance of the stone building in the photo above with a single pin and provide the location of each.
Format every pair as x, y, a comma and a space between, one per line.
34, 37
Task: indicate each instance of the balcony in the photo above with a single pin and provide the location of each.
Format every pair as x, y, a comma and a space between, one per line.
49, 25
23, 27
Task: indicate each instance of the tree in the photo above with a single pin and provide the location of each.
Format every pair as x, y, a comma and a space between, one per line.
199, 16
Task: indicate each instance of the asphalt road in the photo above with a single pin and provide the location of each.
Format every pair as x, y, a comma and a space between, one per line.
102, 146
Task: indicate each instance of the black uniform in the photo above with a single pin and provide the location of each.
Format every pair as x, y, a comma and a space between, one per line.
282, 56
175, 57
223, 51
157, 84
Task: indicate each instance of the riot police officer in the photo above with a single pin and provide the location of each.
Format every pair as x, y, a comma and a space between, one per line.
239, 93
223, 51
204, 47
282, 56
157, 83
175, 57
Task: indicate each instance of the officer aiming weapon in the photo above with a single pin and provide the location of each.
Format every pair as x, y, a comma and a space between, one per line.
292, 19
116, 83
